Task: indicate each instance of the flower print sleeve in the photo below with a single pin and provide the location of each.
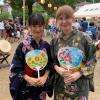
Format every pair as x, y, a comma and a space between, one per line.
90, 59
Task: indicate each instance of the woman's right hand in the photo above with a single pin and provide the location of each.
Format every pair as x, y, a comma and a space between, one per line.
31, 81
60, 70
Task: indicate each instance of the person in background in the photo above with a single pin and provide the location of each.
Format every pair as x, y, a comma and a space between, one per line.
17, 35
1, 28
98, 32
76, 24
24, 82
8, 31
72, 86
97, 39
93, 30
84, 24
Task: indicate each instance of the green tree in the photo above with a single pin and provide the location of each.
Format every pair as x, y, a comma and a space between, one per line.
57, 3
38, 8
17, 4
4, 16
17, 13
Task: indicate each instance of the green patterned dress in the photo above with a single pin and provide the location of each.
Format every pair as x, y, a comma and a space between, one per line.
79, 89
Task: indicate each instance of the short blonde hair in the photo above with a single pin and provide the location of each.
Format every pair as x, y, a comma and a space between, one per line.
65, 10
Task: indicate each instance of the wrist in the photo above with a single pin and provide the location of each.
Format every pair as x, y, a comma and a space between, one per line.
55, 67
46, 74
81, 73
26, 77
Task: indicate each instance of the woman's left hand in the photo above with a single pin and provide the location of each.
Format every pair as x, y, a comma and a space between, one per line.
42, 80
73, 77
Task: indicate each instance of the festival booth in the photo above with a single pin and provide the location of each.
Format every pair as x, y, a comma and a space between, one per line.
89, 10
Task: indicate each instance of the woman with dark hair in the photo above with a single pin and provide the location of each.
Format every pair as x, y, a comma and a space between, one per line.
24, 82
84, 24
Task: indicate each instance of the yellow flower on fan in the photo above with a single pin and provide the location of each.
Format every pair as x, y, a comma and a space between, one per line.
36, 59
29, 59
42, 54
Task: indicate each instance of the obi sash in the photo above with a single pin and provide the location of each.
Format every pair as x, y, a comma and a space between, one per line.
33, 73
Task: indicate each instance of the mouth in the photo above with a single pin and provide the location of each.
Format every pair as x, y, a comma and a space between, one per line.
64, 25
37, 32
67, 25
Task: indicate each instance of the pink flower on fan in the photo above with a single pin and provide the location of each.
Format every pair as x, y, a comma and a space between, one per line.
61, 54
67, 58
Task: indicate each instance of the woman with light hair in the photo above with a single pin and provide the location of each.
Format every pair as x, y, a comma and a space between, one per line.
76, 85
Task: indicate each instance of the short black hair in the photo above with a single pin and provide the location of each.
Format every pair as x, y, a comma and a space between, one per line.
84, 18
36, 19
91, 23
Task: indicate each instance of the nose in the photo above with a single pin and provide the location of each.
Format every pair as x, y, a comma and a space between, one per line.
63, 20
37, 28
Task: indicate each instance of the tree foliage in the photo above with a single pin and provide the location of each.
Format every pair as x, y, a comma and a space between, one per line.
4, 16
17, 4
38, 8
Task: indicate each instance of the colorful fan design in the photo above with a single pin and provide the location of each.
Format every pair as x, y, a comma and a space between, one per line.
70, 58
36, 59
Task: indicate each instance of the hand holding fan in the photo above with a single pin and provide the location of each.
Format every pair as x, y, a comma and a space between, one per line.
70, 58
36, 60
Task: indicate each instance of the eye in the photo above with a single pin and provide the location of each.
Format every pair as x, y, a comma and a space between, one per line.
60, 18
40, 25
34, 26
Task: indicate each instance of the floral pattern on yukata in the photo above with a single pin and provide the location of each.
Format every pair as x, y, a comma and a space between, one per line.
80, 87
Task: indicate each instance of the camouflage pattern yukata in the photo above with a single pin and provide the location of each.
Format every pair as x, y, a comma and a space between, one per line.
79, 89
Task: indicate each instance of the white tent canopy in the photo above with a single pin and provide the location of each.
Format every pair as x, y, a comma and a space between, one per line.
89, 10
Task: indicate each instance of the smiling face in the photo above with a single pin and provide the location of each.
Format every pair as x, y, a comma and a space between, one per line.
37, 31
65, 23
36, 25
64, 17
